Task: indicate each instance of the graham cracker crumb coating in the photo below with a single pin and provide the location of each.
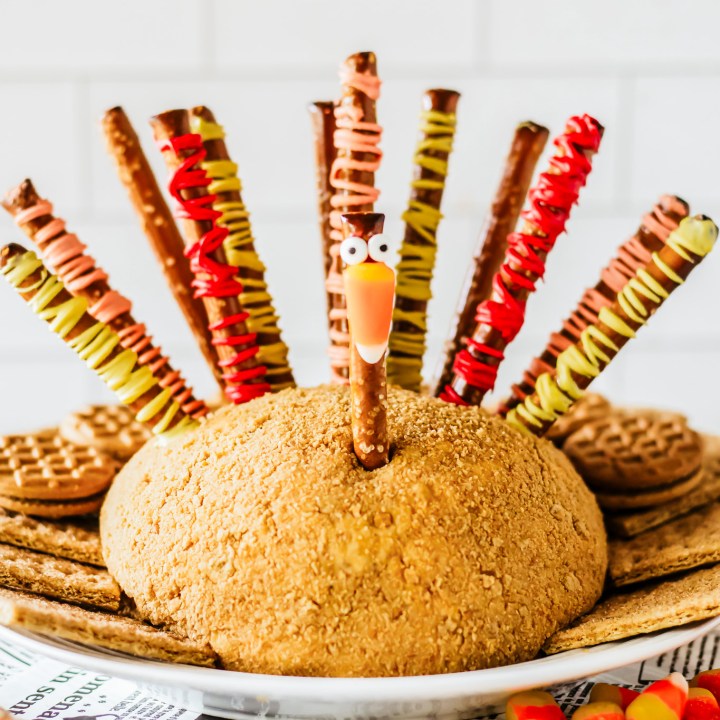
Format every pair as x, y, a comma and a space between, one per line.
262, 535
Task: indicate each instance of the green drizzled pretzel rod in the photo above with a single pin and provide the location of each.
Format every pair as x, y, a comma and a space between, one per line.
599, 343
240, 249
94, 342
419, 246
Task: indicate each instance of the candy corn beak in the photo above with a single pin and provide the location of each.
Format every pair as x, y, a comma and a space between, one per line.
370, 295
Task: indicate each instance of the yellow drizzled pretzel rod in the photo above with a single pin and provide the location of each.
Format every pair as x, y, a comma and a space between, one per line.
240, 248
419, 246
599, 343
94, 342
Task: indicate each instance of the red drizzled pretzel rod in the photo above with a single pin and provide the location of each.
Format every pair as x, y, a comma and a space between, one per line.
527, 146
634, 254
352, 176
214, 280
157, 221
322, 115
500, 318
78, 271
240, 251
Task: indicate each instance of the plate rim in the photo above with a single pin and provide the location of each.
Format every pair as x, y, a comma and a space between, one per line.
543, 671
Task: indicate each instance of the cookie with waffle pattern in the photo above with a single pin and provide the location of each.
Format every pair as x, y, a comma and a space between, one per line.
110, 429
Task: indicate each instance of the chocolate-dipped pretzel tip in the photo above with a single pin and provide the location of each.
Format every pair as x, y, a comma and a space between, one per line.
370, 289
158, 224
94, 342
631, 256
579, 364
78, 271
417, 253
527, 145
352, 177
214, 280
500, 318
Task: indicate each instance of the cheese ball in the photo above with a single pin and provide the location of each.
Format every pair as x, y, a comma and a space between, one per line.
261, 534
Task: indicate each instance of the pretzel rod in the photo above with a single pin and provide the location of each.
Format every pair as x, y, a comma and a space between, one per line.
77, 270
499, 319
158, 224
214, 281
322, 115
578, 365
417, 252
634, 254
240, 249
352, 177
370, 290
527, 146
94, 341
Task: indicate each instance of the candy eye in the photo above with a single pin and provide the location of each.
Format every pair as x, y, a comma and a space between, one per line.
381, 248
353, 250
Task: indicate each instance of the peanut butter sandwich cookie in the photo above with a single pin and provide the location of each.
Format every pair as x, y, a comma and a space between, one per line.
110, 429
43, 474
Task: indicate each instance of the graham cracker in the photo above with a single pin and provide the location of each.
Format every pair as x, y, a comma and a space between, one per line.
685, 543
42, 574
631, 524
693, 596
74, 541
48, 617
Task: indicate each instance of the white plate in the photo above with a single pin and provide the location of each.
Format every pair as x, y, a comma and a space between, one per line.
458, 695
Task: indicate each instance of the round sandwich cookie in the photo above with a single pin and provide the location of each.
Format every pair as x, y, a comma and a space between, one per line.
110, 429
630, 452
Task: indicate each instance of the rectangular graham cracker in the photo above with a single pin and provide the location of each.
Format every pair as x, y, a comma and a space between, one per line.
59, 578
62, 539
631, 524
670, 603
114, 632
685, 543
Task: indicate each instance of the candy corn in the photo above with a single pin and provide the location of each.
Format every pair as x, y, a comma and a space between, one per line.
663, 700
709, 680
622, 696
599, 711
533, 705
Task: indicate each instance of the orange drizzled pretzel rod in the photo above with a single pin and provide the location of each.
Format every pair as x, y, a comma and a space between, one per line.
322, 115
579, 364
239, 247
159, 225
352, 176
78, 271
632, 255
500, 318
95, 342
417, 252
527, 146
236, 346
370, 289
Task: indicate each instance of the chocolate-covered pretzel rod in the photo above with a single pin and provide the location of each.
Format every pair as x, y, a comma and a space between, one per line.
632, 255
417, 253
157, 221
578, 365
95, 342
240, 251
66, 256
214, 281
352, 177
370, 290
322, 115
527, 146
500, 318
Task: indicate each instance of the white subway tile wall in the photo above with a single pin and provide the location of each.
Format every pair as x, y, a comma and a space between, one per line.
650, 71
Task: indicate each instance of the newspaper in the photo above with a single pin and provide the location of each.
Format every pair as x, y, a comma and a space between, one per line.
36, 688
